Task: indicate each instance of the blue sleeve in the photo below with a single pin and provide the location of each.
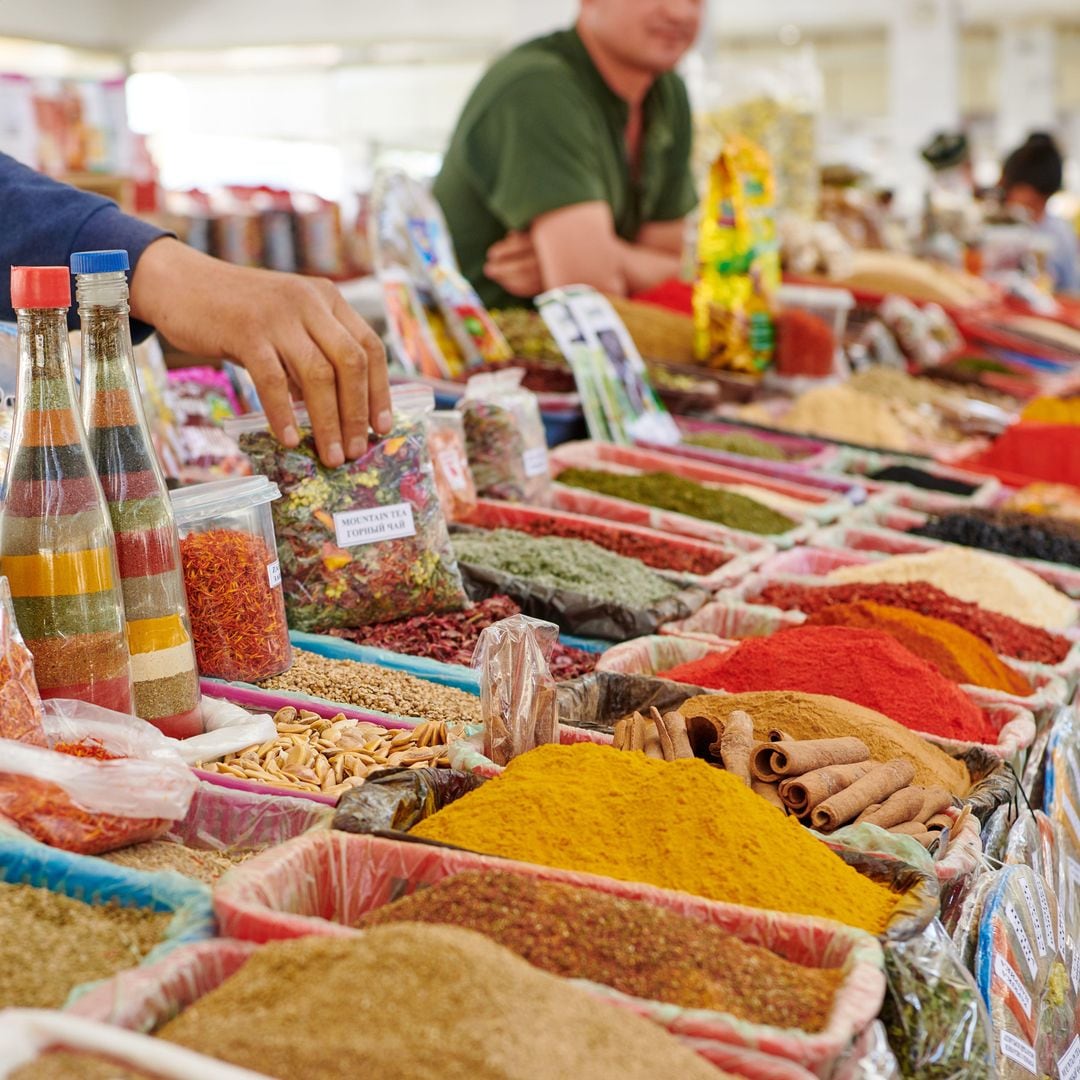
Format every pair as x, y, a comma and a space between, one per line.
44, 221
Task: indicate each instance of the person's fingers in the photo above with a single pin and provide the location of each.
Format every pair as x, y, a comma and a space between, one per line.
318, 381
511, 245
350, 362
272, 384
378, 378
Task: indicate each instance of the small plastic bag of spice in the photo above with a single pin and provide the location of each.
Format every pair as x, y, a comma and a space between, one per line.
366, 542
517, 691
20, 702
453, 478
505, 436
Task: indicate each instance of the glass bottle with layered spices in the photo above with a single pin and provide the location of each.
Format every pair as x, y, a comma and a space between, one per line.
57, 548
166, 680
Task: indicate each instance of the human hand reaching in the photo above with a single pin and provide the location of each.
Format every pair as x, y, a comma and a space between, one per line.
513, 264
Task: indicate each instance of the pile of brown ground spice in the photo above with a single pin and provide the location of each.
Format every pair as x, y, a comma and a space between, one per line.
70, 1064
153, 855
634, 947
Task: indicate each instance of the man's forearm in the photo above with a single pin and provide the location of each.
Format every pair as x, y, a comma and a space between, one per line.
645, 267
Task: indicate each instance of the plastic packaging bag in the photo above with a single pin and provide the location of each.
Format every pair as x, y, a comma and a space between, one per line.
20, 702
453, 478
505, 436
366, 542
121, 782
938, 1025
517, 691
397, 799
229, 729
870, 1058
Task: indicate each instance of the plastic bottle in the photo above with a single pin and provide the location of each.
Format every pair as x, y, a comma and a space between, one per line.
56, 540
166, 679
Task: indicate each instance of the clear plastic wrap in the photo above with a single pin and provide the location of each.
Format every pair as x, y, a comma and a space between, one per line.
20, 702
366, 542
938, 1025
517, 690
323, 883
505, 435
450, 458
394, 800
120, 782
871, 1058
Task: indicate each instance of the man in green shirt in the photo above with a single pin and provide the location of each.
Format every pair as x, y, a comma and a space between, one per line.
570, 163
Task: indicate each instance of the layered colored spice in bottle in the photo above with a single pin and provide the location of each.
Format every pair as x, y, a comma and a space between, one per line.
56, 539
166, 680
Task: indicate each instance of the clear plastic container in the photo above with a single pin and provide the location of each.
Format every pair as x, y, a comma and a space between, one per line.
453, 478
166, 680
233, 578
56, 538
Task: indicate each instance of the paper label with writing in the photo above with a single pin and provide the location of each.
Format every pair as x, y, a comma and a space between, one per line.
357, 527
273, 572
1007, 974
450, 463
1075, 968
1021, 936
1036, 921
1071, 814
1015, 1049
1069, 1062
1048, 921
535, 461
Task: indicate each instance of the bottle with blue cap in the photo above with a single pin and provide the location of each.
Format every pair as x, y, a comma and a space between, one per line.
163, 667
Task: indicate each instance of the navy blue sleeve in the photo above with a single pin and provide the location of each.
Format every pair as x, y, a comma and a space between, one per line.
45, 221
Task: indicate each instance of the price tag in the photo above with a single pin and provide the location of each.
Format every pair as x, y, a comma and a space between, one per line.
1016, 1049
1062, 935
1070, 813
1048, 921
357, 527
1075, 967
1008, 975
1069, 1062
1021, 936
1036, 922
535, 461
273, 572
450, 463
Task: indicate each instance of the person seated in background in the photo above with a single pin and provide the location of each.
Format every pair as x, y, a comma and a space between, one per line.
1030, 177
570, 163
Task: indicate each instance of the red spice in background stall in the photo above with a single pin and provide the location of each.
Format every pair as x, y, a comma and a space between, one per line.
806, 345
236, 606
867, 667
1003, 634
452, 638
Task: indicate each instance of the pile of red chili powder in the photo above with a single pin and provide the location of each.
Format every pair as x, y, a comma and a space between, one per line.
867, 667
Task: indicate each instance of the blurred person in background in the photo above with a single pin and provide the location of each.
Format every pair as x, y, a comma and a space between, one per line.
570, 163
296, 336
1030, 177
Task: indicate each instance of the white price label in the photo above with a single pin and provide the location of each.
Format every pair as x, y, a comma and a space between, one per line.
1069, 1062
535, 461
1048, 921
1036, 922
357, 527
1071, 814
1021, 936
453, 469
1015, 1049
1075, 973
1008, 975
1063, 937
273, 572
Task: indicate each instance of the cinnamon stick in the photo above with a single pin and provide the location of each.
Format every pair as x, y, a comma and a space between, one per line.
666, 749
797, 757
621, 726
908, 828
900, 806
778, 735
939, 822
636, 739
935, 801
875, 787
736, 744
675, 724
761, 763
803, 793
653, 747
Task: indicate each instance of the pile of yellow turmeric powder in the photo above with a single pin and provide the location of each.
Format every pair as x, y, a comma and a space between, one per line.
674, 824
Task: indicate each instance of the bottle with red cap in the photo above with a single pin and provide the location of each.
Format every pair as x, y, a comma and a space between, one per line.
56, 540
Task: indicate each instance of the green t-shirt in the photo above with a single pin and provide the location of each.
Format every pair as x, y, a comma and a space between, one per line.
542, 130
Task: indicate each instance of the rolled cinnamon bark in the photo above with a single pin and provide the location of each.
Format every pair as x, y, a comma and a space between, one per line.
900, 806
803, 793
621, 726
769, 793
936, 800
927, 838
939, 822
761, 763
796, 758
666, 748
736, 744
908, 828
705, 734
675, 725
875, 787
776, 735
653, 747
635, 736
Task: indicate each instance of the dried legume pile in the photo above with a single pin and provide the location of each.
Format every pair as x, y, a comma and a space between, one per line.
206, 866
1004, 635
67, 1065
666, 491
920, 478
632, 946
69, 943
558, 563
429, 1003
867, 667
676, 824
1008, 532
452, 638
735, 442
368, 686
654, 553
